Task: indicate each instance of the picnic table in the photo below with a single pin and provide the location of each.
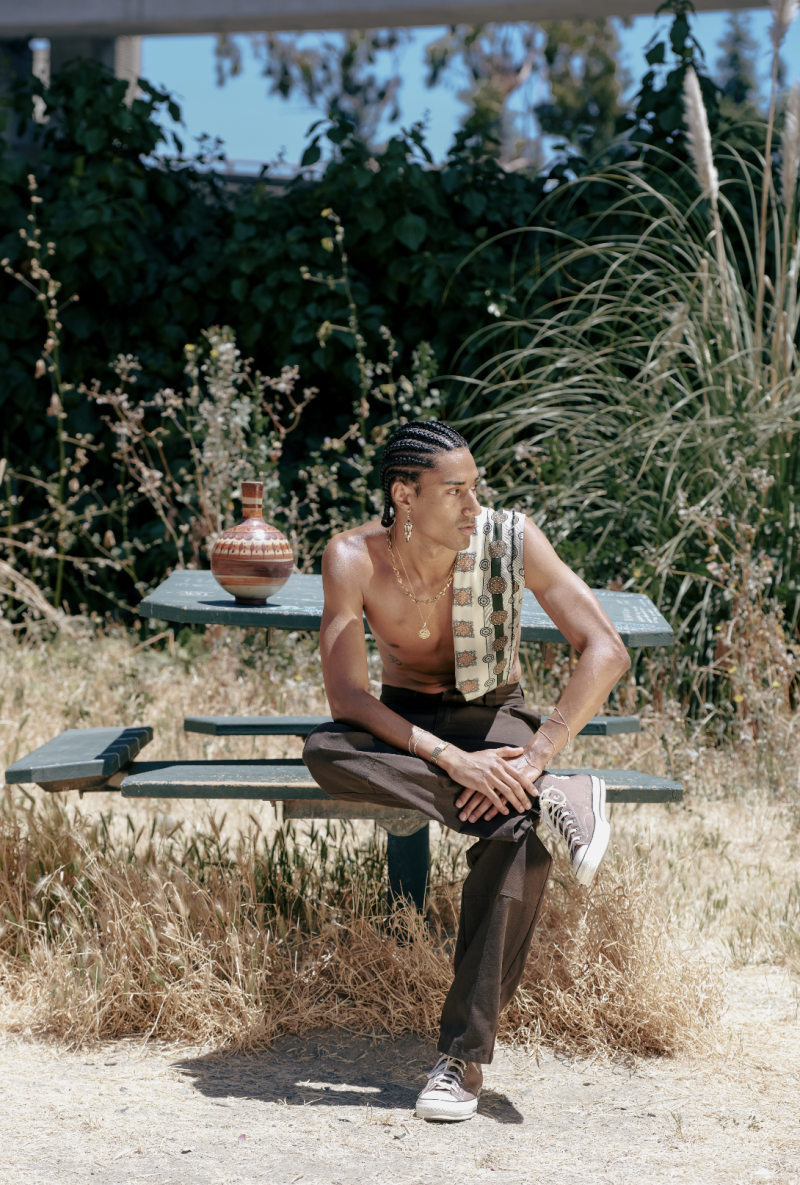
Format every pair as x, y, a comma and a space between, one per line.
107, 758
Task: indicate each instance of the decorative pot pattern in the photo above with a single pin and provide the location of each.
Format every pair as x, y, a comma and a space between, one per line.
252, 560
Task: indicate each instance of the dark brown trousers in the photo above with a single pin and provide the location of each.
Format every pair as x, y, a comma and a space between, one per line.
508, 866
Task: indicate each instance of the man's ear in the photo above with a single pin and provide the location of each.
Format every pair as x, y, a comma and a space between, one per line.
401, 496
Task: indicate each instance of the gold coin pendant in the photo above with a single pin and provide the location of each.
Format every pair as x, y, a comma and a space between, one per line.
424, 633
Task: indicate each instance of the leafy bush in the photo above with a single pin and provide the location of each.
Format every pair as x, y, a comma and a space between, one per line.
181, 456
160, 249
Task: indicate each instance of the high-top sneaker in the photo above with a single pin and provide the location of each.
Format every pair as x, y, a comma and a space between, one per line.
574, 809
445, 1096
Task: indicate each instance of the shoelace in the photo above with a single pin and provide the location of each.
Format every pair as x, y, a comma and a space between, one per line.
448, 1073
563, 819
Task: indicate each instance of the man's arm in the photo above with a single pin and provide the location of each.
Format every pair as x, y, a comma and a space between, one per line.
574, 609
345, 571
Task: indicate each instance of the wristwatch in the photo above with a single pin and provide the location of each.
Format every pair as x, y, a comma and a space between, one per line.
437, 752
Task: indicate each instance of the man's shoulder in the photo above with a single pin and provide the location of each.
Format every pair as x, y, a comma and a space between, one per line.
350, 551
356, 538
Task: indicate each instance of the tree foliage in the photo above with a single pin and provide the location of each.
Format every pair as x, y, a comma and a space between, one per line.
583, 73
737, 71
160, 248
339, 75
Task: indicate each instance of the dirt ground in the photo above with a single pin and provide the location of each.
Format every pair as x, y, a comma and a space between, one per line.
334, 1109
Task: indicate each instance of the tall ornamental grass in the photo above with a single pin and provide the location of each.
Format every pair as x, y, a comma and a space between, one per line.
647, 413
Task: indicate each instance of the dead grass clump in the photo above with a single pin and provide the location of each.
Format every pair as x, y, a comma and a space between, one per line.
212, 945
607, 973
150, 967
201, 943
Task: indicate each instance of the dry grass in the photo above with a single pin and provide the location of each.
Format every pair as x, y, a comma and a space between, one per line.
608, 973
116, 679
233, 930
109, 947
212, 946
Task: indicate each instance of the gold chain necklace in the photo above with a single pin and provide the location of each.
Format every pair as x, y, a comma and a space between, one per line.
424, 632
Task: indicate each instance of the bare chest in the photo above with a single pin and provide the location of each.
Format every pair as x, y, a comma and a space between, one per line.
410, 636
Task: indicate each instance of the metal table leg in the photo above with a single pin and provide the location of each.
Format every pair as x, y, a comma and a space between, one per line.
408, 860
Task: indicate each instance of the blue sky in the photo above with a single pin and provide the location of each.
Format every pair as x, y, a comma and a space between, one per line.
258, 127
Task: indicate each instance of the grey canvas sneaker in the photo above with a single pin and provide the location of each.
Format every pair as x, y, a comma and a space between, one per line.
445, 1097
574, 809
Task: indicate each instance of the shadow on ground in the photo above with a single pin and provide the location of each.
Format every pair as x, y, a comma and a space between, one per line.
329, 1070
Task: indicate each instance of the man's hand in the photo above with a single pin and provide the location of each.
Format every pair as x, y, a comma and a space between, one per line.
486, 804
527, 774
492, 779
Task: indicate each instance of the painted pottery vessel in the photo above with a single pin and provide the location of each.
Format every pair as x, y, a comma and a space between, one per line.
252, 560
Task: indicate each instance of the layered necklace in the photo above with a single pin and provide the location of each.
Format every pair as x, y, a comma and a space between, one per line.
424, 618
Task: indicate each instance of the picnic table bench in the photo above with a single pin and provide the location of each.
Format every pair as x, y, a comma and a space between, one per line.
90, 759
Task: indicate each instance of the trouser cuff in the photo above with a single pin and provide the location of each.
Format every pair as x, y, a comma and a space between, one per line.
455, 1049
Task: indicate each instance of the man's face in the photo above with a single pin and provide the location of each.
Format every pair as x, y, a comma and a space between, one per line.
445, 509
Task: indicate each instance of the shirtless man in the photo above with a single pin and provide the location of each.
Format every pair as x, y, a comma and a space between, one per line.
469, 758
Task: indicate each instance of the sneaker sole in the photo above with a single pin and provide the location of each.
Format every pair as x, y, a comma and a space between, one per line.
593, 856
453, 1112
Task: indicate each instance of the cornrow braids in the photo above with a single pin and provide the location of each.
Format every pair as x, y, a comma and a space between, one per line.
408, 451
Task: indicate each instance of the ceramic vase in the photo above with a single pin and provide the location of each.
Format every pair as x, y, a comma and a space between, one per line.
252, 560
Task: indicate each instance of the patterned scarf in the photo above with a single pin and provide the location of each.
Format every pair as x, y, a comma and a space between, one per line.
488, 585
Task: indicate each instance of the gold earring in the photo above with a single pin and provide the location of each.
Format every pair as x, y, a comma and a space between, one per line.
408, 526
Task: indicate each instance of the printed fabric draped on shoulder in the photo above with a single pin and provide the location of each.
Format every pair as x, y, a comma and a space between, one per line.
488, 584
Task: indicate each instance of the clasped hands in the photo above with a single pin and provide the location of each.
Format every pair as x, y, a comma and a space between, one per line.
494, 780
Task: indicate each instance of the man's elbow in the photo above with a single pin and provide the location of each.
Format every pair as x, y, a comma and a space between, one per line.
338, 704
344, 704
620, 657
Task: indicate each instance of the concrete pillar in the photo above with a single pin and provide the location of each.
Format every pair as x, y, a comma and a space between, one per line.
66, 49
123, 55
128, 62
16, 61
21, 56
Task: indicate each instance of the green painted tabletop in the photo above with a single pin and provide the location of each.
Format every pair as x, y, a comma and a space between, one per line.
196, 597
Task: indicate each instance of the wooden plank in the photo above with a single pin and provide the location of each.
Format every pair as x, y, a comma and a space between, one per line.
629, 785
289, 779
610, 726
301, 726
196, 597
254, 726
79, 754
278, 779
395, 820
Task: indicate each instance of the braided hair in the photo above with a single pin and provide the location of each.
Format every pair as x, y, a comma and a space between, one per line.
408, 451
